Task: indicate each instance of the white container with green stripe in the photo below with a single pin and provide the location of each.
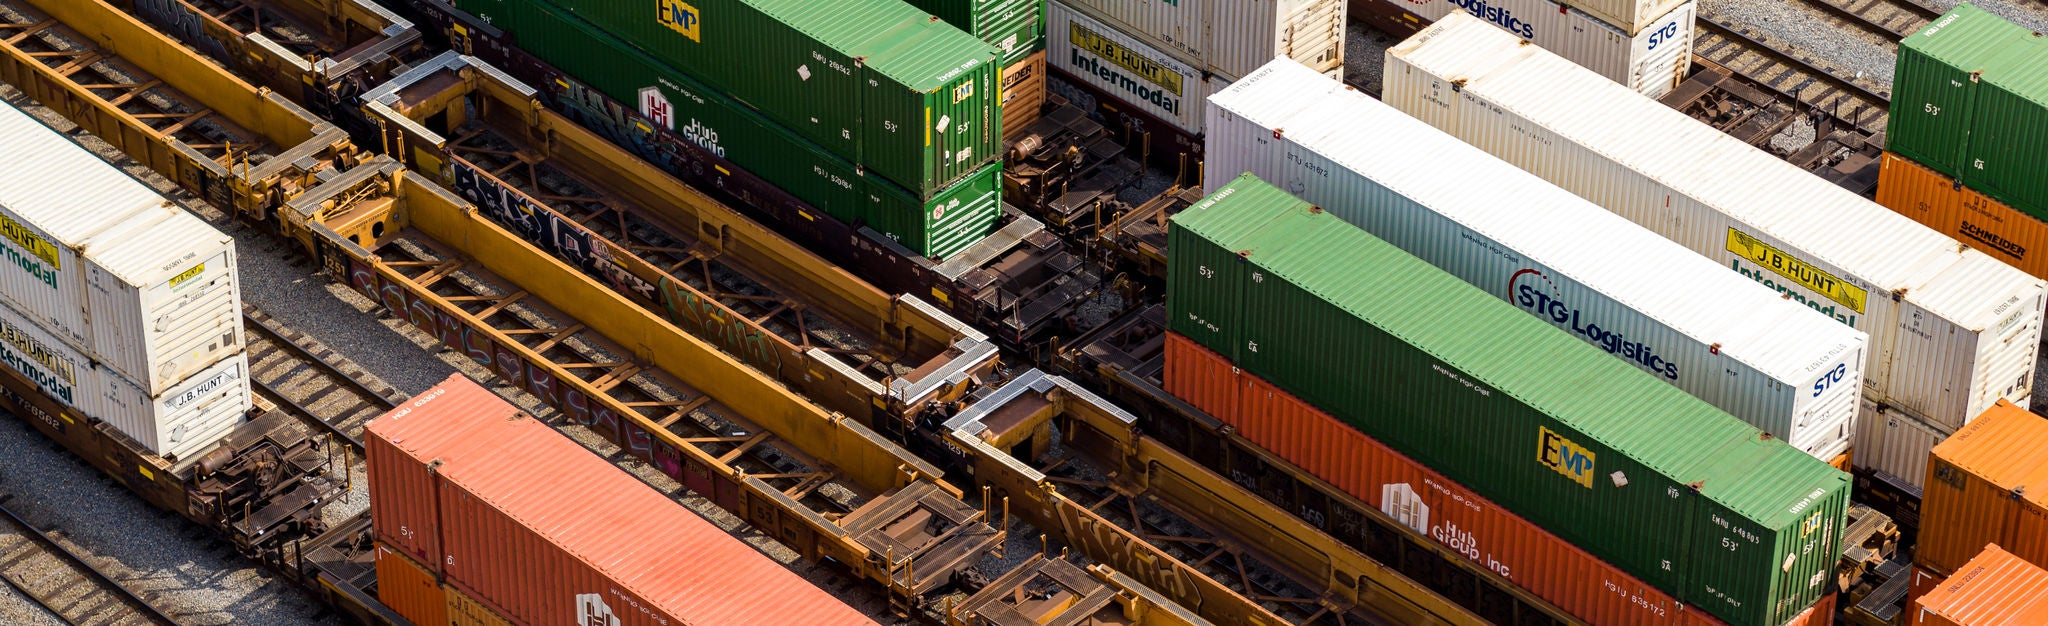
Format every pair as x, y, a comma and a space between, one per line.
109, 266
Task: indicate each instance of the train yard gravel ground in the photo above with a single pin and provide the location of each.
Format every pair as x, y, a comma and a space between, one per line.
1852, 51
2029, 13
17, 609
1365, 56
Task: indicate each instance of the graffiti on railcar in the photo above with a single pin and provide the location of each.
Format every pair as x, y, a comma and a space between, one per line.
618, 124
183, 23
588, 252
458, 333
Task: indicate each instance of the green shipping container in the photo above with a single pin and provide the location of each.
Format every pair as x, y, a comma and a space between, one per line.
1017, 27
1633, 470
877, 82
1970, 100
957, 216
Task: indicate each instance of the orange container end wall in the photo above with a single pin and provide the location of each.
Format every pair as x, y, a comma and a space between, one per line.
1413, 494
1923, 581
408, 588
1822, 613
1987, 484
2001, 231
403, 511
542, 531
1993, 589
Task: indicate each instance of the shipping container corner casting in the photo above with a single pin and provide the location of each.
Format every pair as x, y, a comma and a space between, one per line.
1588, 448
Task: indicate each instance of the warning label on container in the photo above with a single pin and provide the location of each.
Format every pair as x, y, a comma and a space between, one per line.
1798, 270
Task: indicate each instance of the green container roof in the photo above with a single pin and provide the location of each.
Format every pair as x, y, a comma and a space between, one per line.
1655, 423
1973, 39
888, 36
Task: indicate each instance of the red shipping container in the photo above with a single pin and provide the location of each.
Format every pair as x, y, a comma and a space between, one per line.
403, 511
1993, 589
1413, 494
1821, 614
542, 531
408, 588
1987, 484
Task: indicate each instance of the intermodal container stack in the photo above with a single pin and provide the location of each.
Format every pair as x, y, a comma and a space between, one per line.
493, 505
116, 302
1635, 472
1968, 135
1952, 330
1987, 485
842, 185
1162, 59
1644, 45
1993, 589
1722, 338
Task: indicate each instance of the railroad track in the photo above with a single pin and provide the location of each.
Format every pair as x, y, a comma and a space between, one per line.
1891, 19
1811, 84
64, 583
298, 373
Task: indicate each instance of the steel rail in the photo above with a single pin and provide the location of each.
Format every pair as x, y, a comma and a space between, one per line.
86, 570
278, 334
1869, 23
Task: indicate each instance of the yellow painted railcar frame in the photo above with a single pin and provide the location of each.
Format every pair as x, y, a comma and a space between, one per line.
306, 144
415, 204
450, 88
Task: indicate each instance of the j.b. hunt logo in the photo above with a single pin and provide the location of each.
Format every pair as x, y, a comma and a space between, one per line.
1531, 290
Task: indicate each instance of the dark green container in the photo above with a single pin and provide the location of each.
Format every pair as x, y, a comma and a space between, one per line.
877, 82
1970, 100
1659, 483
953, 218
1017, 27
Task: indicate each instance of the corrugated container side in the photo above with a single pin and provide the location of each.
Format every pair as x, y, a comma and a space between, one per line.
185, 420
466, 611
1987, 484
1014, 26
1895, 442
1123, 66
409, 589
401, 460
867, 79
43, 223
1922, 583
538, 529
1413, 494
1651, 61
1984, 224
673, 101
1993, 589
164, 297
1972, 103
1959, 339
108, 265
1544, 424
1230, 38
1722, 338
1023, 93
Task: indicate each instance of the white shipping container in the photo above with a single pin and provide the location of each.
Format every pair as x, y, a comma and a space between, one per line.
1895, 443
110, 266
1951, 329
185, 420
1652, 303
1651, 61
1110, 61
1231, 37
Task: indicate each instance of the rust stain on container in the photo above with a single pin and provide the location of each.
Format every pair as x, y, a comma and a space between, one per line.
1987, 484
1993, 589
1913, 190
539, 530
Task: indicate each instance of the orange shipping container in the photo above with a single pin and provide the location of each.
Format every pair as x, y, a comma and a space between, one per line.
1413, 494
464, 611
1987, 484
1923, 581
540, 530
1993, 589
408, 588
1927, 196
1023, 93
